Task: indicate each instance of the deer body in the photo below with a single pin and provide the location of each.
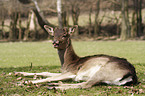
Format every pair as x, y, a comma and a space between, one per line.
90, 69
98, 67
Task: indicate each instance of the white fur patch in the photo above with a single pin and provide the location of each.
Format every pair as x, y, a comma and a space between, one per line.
90, 68
72, 76
118, 82
87, 74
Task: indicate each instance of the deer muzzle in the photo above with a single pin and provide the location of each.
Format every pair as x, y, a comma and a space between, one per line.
55, 43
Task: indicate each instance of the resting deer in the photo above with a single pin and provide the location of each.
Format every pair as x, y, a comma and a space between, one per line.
90, 69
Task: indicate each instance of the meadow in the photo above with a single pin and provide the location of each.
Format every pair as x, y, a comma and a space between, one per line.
19, 56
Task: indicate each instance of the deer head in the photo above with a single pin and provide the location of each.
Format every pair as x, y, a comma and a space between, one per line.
60, 36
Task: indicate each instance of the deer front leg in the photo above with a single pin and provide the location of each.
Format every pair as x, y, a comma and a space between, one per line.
44, 74
64, 76
83, 85
67, 86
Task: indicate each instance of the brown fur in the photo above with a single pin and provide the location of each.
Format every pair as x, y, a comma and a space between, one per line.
122, 64
91, 69
73, 63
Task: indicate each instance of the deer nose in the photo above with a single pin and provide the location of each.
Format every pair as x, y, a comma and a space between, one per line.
55, 42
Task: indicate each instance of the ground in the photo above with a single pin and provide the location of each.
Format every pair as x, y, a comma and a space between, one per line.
18, 56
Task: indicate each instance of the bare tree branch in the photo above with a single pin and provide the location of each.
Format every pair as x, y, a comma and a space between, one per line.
115, 2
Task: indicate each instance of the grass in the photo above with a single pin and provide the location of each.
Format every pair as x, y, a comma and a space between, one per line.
18, 56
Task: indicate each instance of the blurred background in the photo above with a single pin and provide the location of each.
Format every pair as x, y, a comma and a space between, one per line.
23, 20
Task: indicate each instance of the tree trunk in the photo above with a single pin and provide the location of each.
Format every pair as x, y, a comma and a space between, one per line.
20, 27
75, 16
134, 25
32, 26
3, 34
134, 20
42, 20
139, 19
136, 29
65, 14
13, 26
96, 26
59, 12
40, 17
26, 33
90, 22
125, 27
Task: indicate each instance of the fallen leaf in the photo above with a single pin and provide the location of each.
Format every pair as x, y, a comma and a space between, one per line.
141, 91
20, 85
109, 87
28, 86
3, 73
37, 86
130, 92
10, 73
143, 86
117, 87
120, 91
135, 91
128, 87
20, 78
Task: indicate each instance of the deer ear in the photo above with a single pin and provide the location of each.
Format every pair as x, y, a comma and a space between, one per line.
49, 29
72, 29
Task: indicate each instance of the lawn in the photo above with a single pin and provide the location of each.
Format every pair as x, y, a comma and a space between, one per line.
18, 56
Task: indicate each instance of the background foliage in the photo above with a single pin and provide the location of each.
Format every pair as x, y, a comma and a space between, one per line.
95, 18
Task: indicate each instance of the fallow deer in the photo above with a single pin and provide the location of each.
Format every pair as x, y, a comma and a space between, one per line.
90, 69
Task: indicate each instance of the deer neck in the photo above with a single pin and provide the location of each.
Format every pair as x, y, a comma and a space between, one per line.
61, 55
69, 54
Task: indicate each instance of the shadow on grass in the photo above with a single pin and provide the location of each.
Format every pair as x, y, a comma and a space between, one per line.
47, 68
29, 69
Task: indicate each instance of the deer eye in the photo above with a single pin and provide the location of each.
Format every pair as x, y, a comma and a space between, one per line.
63, 37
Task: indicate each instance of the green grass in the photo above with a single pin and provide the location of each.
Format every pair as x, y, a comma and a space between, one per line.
18, 56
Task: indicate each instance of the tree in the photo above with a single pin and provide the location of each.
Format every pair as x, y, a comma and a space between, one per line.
136, 28
20, 26
59, 11
14, 19
96, 26
90, 22
40, 17
125, 26
31, 26
65, 13
2, 22
139, 19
